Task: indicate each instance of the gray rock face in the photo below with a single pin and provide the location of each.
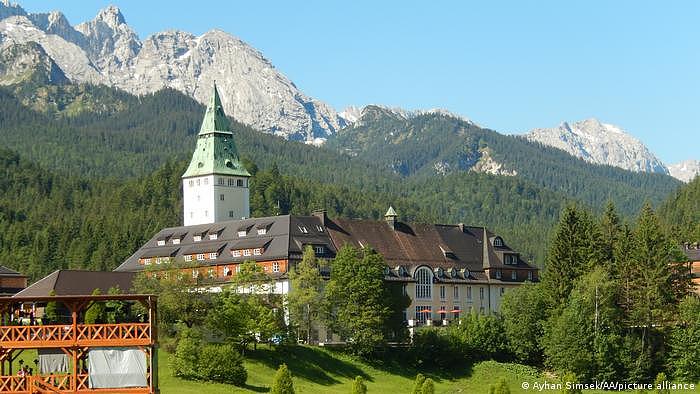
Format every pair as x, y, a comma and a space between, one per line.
686, 170
21, 62
106, 50
600, 143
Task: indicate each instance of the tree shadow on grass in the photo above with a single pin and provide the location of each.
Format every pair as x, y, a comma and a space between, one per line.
395, 361
312, 364
257, 389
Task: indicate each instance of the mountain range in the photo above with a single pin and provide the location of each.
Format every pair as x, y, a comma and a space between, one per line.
106, 50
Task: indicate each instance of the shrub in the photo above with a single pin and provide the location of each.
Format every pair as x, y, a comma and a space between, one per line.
658, 382
282, 383
223, 364
569, 378
186, 357
435, 348
418, 385
358, 386
428, 387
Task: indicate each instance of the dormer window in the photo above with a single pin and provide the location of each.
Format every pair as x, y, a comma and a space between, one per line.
262, 231
176, 241
498, 241
242, 233
439, 272
303, 229
161, 242
197, 238
257, 251
453, 272
200, 256
188, 257
213, 255
401, 270
213, 236
246, 252
236, 253
147, 261
319, 228
387, 271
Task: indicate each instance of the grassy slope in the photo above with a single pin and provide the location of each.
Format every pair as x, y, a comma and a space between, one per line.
317, 370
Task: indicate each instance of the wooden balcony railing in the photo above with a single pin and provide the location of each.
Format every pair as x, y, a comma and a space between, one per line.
123, 334
56, 384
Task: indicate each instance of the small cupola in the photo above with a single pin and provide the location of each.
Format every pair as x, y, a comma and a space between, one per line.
390, 217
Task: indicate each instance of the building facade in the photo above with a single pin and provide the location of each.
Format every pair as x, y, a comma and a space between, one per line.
447, 270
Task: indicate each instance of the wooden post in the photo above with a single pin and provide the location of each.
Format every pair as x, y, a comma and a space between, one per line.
74, 352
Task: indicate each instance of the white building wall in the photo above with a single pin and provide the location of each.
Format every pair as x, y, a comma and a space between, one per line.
202, 201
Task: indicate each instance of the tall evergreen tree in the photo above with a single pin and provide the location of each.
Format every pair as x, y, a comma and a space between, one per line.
305, 295
610, 227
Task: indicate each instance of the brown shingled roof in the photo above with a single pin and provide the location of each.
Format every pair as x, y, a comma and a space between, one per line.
79, 282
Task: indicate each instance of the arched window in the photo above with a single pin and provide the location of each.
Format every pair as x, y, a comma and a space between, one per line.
424, 283
498, 241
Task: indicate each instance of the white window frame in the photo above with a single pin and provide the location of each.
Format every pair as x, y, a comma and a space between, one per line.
481, 293
242, 233
424, 283
161, 242
188, 257
443, 294
147, 261
246, 252
498, 241
176, 241
213, 237
275, 266
200, 256
514, 275
499, 274
197, 238
257, 252
262, 231
213, 255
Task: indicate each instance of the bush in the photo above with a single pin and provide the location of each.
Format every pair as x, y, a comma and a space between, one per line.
432, 347
418, 385
282, 383
428, 387
216, 362
223, 364
186, 357
358, 386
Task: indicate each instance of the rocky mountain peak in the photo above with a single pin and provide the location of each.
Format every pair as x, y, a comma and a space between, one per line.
686, 170
8, 9
111, 16
600, 143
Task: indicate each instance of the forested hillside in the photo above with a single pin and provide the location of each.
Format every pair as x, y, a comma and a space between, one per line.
429, 144
98, 172
681, 212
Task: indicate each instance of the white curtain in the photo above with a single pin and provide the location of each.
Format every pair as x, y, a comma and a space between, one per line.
117, 368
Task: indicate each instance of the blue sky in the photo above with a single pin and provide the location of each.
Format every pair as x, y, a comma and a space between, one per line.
508, 65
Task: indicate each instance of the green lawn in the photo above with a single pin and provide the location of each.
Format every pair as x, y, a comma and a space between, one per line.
318, 370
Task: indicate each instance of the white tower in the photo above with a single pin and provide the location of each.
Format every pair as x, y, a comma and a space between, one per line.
215, 185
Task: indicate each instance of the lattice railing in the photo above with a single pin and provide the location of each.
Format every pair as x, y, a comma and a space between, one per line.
35, 333
14, 384
52, 383
126, 331
87, 335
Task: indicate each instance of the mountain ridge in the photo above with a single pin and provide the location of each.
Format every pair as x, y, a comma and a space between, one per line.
107, 51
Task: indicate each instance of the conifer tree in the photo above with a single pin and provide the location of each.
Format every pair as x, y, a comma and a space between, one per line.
428, 387
359, 386
610, 227
305, 297
418, 384
282, 382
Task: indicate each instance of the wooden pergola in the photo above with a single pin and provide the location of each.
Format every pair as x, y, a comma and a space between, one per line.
75, 340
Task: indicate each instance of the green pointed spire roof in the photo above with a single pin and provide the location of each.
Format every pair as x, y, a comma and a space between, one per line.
215, 119
390, 212
216, 151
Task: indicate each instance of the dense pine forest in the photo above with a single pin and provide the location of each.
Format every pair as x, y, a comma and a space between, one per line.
89, 173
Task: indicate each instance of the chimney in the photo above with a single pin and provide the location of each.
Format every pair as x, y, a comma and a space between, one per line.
321, 214
390, 217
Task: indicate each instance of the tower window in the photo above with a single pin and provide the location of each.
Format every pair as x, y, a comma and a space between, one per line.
239, 183
230, 214
199, 182
191, 182
206, 214
206, 181
221, 197
221, 181
231, 182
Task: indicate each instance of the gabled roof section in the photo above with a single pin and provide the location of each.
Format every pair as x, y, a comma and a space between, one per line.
215, 120
4, 271
78, 282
